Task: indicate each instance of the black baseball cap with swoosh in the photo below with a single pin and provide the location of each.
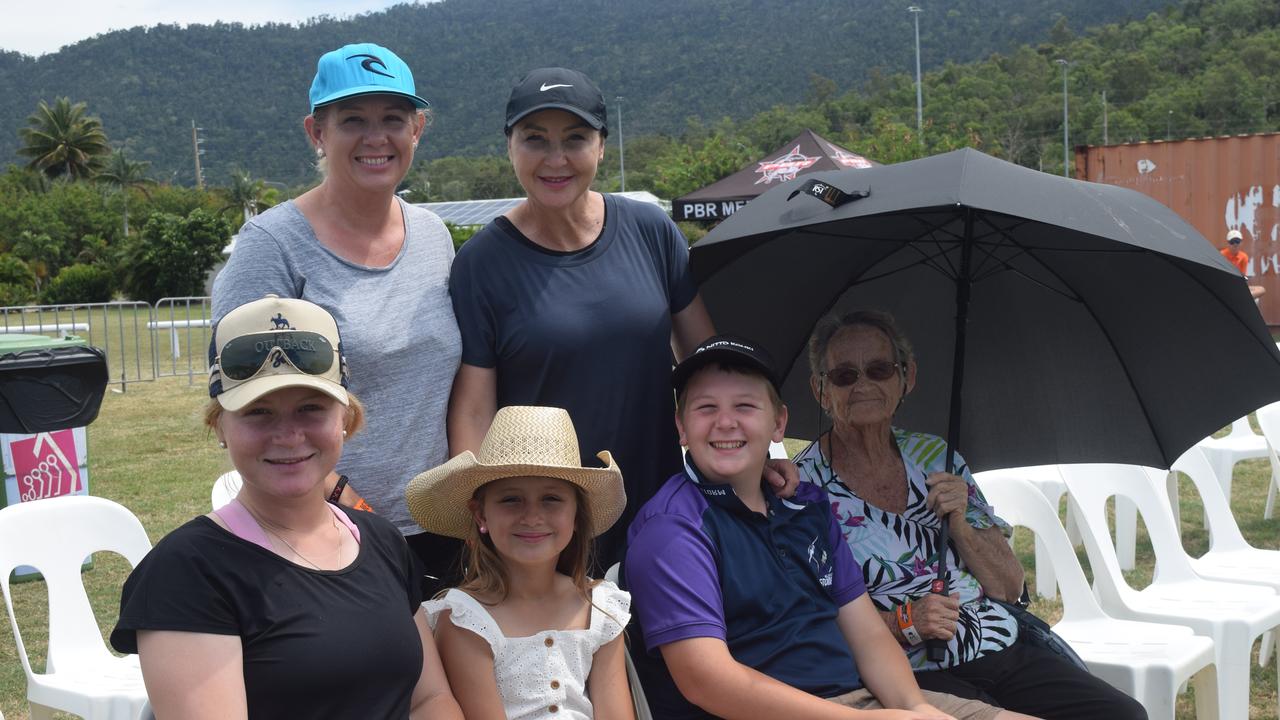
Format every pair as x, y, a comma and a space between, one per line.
362, 69
554, 88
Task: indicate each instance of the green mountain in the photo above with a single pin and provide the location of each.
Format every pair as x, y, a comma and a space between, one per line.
671, 59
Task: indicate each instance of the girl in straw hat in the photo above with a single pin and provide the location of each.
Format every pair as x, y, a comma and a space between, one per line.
528, 633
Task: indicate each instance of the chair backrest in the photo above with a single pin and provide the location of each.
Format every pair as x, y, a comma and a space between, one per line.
225, 488
1224, 532
1019, 502
1240, 428
1089, 487
1269, 421
638, 700
54, 536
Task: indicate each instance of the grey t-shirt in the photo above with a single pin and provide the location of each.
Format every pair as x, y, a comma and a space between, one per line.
398, 333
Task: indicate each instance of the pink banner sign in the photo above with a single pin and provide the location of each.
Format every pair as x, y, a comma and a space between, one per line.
46, 465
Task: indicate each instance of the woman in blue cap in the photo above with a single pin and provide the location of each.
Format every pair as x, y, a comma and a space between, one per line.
379, 265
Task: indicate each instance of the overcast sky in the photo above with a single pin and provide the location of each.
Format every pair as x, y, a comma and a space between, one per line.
42, 26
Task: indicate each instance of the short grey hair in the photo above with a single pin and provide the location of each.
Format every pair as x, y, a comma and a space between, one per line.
877, 319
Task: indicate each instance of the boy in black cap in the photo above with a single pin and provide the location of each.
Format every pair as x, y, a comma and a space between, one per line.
754, 603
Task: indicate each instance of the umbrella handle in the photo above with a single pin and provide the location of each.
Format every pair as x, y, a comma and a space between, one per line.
935, 649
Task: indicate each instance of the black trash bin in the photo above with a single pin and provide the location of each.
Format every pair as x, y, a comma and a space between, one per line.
50, 389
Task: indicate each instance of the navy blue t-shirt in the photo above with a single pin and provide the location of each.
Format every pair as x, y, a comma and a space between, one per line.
588, 331
702, 564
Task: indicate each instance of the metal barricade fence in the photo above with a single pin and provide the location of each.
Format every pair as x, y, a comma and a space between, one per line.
141, 342
185, 324
116, 327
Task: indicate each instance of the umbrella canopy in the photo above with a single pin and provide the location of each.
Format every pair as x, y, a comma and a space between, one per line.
807, 152
1096, 324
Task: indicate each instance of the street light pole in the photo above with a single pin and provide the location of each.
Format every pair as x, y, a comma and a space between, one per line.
915, 12
1066, 135
622, 152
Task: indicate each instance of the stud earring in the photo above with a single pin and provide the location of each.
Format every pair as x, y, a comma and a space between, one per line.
222, 444
319, 153
344, 433
483, 529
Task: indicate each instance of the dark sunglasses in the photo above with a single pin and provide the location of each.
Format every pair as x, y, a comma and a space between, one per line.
879, 371
245, 356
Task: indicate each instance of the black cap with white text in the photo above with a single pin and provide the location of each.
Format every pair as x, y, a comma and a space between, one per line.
730, 350
557, 89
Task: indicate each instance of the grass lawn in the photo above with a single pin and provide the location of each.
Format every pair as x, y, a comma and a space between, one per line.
149, 452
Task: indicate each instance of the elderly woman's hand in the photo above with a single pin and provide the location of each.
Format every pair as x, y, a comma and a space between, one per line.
783, 476
948, 495
935, 616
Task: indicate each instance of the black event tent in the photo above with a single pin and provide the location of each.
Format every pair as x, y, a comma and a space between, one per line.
807, 152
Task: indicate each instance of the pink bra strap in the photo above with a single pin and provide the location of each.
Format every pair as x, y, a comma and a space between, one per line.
242, 525
346, 521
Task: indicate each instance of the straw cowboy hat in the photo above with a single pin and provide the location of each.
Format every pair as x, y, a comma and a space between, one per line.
522, 441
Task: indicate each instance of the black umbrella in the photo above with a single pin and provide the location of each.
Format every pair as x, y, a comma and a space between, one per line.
1054, 320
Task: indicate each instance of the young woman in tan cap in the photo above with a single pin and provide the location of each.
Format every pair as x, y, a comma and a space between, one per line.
528, 633
280, 604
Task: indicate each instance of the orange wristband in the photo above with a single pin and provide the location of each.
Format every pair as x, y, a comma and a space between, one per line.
907, 625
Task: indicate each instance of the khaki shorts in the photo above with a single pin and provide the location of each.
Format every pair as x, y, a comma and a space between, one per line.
960, 708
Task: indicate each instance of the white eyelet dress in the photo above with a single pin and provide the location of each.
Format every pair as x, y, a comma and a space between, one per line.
542, 675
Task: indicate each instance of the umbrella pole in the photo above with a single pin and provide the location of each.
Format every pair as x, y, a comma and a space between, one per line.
936, 650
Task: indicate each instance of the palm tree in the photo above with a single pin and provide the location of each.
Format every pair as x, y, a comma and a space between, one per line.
124, 174
62, 142
245, 194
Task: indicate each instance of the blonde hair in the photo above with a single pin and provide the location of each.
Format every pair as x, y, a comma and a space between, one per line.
352, 423
485, 574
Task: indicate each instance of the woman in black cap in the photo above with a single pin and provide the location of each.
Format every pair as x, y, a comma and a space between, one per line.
575, 298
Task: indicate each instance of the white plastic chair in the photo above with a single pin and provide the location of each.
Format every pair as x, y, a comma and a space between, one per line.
55, 535
1147, 661
1242, 443
638, 700
1048, 481
225, 489
1230, 556
1232, 614
1269, 421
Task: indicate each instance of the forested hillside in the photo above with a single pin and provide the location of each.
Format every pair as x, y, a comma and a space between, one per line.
671, 59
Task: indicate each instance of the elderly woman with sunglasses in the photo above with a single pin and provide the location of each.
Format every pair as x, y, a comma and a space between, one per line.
379, 265
281, 604
889, 493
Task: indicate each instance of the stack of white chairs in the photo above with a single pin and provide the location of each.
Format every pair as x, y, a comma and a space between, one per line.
54, 536
1230, 556
1233, 615
1148, 661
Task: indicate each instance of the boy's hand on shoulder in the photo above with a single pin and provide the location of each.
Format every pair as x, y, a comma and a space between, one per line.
783, 476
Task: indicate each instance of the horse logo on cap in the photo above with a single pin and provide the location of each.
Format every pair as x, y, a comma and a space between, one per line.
280, 322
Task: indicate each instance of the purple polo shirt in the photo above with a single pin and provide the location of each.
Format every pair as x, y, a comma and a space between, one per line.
701, 564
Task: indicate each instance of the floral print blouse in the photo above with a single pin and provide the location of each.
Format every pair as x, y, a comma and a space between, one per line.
898, 552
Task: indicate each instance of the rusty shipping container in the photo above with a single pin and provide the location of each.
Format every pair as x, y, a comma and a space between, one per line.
1217, 184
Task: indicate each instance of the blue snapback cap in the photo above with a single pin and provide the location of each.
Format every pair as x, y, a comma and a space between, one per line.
362, 69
